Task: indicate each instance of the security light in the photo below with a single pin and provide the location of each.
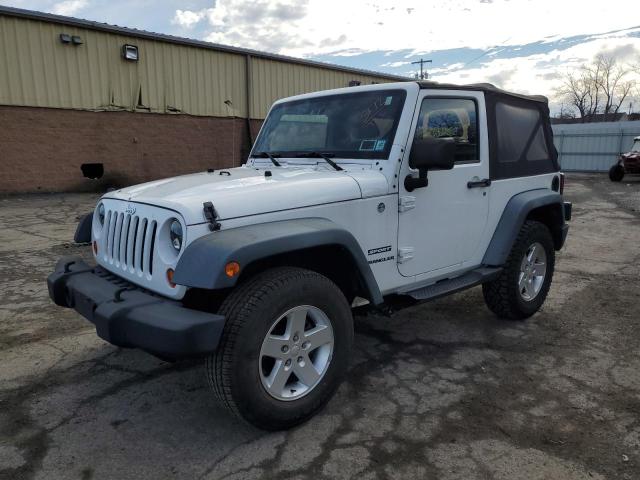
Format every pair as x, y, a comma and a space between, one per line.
354, 83
65, 38
76, 40
130, 52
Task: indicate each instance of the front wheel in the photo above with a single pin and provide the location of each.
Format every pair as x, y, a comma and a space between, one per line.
285, 347
522, 286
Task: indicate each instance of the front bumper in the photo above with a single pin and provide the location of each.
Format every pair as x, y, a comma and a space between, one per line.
127, 316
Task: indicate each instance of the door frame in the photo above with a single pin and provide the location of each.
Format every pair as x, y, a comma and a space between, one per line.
483, 161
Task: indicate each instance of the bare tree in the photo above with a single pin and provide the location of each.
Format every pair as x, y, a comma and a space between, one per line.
580, 90
600, 87
611, 84
566, 112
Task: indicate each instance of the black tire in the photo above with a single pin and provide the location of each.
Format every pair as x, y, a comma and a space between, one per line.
616, 173
502, 295
250, 311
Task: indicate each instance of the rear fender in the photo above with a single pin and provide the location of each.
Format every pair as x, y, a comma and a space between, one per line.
543, 205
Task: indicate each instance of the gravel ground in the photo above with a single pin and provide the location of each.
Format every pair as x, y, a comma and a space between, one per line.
440, 391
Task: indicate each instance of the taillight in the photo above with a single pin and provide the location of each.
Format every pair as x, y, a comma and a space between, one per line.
561, 183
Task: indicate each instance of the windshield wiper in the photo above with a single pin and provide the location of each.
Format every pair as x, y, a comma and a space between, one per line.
269, 155
325, 156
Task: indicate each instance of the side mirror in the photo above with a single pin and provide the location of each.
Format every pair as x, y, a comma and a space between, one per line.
433, 154
429, 154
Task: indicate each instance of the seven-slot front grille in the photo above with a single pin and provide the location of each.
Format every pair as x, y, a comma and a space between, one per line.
129, 242
133, 242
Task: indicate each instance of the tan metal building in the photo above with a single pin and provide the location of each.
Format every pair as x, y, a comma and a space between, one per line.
144, 105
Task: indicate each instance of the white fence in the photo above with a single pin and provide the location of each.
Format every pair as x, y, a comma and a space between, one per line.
593, 147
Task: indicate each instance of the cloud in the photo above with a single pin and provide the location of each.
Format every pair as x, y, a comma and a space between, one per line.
394, 64
335, 41
551, 76
446, 68
301, 27
623, 53
257, 24
502, 77
188, 18
69, 7
542, 73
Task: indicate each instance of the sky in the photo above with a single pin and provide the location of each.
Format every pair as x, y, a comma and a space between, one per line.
521, 45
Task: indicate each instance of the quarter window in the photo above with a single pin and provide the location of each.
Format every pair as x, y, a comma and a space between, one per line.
455, 118
520, 134
521, 142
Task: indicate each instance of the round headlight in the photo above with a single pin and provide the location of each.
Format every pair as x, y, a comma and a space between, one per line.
101, 214
175, 232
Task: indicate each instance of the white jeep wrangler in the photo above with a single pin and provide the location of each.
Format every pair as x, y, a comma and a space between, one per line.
371, 197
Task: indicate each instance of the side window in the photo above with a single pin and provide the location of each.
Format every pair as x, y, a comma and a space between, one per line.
520, 134
520, 140
451, 118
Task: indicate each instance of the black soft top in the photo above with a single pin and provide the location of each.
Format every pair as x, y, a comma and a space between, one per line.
519, 131
483, 87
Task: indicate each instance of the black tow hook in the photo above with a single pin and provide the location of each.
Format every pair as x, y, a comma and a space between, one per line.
118, 295
67, 266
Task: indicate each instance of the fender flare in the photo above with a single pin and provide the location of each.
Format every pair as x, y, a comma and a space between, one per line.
202, 263
83, 230
513, 217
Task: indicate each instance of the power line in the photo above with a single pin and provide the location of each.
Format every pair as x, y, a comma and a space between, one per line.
489, 50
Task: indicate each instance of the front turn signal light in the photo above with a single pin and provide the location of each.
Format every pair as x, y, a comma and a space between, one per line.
232, 269
170, 273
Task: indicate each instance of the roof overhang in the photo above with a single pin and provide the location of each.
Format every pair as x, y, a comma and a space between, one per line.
161, 37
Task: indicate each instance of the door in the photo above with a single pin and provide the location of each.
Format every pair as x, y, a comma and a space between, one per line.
441, 225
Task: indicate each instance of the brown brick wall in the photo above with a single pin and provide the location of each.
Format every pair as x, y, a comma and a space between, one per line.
41, 149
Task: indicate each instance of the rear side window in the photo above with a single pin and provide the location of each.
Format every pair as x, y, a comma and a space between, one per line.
519, 134
520, 141
451, 118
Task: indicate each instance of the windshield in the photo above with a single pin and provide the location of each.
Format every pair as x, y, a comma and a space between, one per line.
351, 125
636, 146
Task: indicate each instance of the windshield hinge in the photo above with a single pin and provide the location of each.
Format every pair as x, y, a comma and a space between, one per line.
211, 215
406, 203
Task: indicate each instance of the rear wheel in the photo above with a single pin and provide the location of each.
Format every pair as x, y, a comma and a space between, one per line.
285, 347
522, 287
616, 173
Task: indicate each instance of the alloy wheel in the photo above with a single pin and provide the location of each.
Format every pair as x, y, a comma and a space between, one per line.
533, 270
296, 353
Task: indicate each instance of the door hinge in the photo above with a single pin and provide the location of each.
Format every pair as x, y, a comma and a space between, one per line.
405, 254
406, 203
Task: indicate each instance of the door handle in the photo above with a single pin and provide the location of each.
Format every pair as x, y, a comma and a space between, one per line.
485, 182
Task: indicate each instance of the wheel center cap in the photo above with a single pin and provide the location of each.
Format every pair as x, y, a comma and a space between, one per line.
295, 349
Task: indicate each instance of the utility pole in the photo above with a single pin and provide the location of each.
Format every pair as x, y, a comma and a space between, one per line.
423, 75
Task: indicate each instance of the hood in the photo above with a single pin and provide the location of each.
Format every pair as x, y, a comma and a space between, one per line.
243, 191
